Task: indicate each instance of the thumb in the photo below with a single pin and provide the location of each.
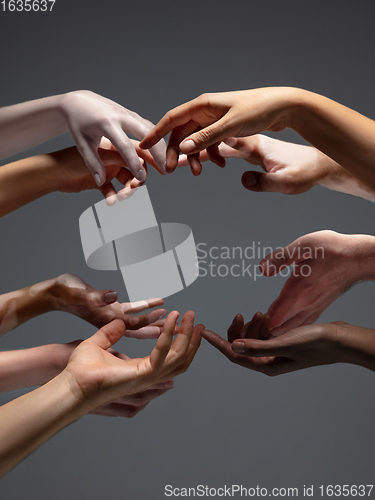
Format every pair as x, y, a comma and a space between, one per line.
109, 296
111, 333
206, 137
280, 259
273, 182
277, 346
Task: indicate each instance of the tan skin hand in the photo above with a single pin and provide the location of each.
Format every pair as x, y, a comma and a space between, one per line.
209, 119
127, 406
97, 377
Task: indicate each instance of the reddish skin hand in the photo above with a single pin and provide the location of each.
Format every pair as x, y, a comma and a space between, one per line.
326, 265
303, 347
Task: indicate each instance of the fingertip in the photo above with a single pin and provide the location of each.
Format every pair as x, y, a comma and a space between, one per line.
249, 180
187, 146
237, 317
99, 179
169, 384
110, 297
141, 175
146, 142
230, 141
111, 200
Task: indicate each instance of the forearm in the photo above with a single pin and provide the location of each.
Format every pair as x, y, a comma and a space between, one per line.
356, 345
339, 179
26, 180
30, 123
22, 305
341, 133
32, 367
28, 421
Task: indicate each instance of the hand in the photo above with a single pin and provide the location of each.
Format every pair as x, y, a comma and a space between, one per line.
70, 294
91, 116
326, 265
302, 347
211, 118
290, 168
127, 406
72, 175
97, 377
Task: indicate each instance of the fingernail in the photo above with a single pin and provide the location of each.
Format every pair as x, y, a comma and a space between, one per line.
110, 297
249, 179
97, 179
168, 384
187, 146
141, 175
155, 315
238, 347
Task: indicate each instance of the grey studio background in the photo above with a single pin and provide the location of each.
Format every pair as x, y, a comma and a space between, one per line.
221, 424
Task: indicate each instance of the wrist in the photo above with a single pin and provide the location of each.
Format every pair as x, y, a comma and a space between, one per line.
362, 251
58, 356
330, 172
58, 293
297, 103
355, 344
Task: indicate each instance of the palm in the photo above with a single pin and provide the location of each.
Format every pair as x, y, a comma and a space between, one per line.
95, 369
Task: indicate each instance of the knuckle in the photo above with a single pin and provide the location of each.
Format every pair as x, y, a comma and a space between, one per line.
205, 135
205, 98
104, 121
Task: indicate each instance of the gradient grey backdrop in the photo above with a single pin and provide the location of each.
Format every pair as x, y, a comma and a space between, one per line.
221, 424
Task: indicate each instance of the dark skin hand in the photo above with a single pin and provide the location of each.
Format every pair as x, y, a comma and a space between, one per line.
253, 346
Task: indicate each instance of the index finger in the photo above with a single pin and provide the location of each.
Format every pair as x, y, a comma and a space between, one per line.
174, 118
